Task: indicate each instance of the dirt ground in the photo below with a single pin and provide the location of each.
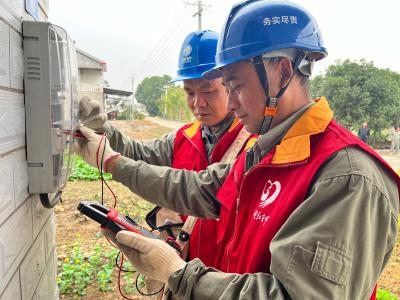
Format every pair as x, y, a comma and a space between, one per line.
72, 226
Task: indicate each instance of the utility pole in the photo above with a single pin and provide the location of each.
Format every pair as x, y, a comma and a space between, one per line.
200, 7
165, 90
199, 13
133, 97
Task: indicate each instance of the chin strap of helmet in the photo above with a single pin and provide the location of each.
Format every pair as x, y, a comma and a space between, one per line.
271, 102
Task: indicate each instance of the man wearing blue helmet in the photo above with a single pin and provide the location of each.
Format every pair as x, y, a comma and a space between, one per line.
216, 135
309, 212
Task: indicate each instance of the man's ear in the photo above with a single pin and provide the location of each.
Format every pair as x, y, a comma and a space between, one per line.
286, 69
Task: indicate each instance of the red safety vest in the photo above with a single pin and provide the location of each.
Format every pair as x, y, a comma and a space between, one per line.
255, 206
190, 154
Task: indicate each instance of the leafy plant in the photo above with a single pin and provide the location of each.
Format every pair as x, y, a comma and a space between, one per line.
112, 255
95, 259
76, 273
141, 281
83, 171
104, 277
129, 278
385, 295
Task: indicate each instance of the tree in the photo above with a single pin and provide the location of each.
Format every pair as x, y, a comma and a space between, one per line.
149, 92
360, 92
174, 105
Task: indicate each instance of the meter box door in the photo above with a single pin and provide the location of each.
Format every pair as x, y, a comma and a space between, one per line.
51, 104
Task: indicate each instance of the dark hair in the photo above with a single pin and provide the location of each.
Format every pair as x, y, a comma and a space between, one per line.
304, 80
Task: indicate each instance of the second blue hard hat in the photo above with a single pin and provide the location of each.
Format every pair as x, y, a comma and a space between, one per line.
197, 55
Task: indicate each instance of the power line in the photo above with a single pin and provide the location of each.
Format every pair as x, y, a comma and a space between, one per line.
169, 50
160, 52
173, 36
165, 48
155, 52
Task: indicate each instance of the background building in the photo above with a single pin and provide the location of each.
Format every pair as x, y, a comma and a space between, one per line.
91, 79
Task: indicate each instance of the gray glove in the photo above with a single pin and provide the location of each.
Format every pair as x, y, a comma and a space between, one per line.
91, 114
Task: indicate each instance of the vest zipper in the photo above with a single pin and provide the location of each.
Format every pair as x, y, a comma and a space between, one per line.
200, 223
234, 234
238, 198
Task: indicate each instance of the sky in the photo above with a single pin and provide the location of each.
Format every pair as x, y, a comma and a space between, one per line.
141, 38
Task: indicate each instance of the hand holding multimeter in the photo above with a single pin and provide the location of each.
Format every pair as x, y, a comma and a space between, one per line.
151, 256
111, 220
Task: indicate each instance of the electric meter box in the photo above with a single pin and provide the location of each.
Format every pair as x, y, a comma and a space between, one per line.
51, 106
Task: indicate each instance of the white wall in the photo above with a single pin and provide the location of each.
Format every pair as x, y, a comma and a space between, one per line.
27, 230
91, 76
91, 84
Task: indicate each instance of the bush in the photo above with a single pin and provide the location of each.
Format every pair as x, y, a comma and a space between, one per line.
126, 115
138, 115
123, 115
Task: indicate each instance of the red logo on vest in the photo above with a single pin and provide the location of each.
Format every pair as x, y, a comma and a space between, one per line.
270, 193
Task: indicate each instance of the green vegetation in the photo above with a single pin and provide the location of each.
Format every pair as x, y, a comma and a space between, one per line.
385, 295
173, 105
129, 279
83, 171
125, 115
360, 92
138, 115
149, 92
77, 272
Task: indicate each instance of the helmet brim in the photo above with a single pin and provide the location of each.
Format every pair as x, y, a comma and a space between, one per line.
186, 77
213, 73
199, 75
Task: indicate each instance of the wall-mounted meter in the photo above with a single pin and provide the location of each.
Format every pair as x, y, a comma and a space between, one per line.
51, 105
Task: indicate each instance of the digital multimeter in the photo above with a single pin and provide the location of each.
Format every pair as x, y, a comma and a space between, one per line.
110, 219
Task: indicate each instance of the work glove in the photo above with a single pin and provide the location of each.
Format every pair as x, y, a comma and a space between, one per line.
94, 148
91, 114
152, 257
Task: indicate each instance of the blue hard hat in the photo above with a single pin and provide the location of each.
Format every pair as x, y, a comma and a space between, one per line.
255, 27
197, 55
